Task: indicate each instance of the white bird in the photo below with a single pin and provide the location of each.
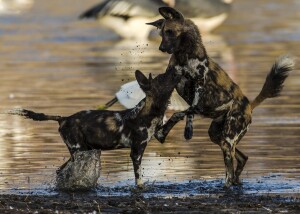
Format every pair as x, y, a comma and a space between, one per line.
127, 18
131, 94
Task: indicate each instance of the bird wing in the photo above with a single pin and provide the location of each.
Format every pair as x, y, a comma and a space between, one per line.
124, 9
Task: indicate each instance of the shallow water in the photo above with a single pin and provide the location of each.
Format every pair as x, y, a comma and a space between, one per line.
53, 63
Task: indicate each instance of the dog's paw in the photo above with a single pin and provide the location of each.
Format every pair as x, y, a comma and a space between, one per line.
188, 132
178, 116
227, 185
160, 137
237, 182
138, 188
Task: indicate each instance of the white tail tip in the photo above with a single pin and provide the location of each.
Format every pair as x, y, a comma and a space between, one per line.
16, 111
286, 61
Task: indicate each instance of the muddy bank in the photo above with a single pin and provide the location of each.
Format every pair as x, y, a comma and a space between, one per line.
87, 203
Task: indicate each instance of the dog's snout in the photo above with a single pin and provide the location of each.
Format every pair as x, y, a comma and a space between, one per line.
162, 48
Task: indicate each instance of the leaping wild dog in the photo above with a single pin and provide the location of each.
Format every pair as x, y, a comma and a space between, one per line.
210, 92
108, 130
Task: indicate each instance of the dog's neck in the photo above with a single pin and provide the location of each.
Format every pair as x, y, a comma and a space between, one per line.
154, 108
190, 45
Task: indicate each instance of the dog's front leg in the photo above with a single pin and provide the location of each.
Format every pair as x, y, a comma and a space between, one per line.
164, 130
197, 107
188, 130
198, 101
137, 152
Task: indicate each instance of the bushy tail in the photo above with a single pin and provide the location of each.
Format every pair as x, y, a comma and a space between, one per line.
275, 79
34, 116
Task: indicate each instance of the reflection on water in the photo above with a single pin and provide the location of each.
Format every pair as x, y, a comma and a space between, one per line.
14, 7
53, 63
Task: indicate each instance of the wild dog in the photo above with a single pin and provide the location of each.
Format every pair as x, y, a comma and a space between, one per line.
210, 92
109, 130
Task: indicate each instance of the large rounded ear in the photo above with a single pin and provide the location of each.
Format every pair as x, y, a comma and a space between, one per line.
170, 13
142, 80
157, 23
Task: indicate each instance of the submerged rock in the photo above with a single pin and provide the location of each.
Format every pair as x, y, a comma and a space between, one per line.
80, 174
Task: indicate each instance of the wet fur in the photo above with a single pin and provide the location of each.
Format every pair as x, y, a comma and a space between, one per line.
109, 130
210, 92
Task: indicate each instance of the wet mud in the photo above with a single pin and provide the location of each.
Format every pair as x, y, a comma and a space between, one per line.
91, 204
257, 195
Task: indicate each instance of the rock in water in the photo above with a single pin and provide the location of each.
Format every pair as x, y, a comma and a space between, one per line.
80, 174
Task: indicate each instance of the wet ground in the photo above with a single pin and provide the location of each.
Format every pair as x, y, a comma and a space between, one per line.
53, 63
78, 203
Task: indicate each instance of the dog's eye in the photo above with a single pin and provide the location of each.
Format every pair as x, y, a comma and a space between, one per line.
169, 32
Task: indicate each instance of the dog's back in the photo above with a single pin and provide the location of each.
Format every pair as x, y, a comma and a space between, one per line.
95, 129
107, 130
222, 92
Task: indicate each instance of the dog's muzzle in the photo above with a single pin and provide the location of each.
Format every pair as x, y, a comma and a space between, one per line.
164, 49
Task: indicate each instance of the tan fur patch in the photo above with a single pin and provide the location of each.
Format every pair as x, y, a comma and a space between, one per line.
248, 110
214, 66
172, 61
147, 106
111, 124
237, 93
100, 119
174, 26
223, 80
62, 123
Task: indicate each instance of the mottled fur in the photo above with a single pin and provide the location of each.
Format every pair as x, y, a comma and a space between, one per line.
209, 91
108, 130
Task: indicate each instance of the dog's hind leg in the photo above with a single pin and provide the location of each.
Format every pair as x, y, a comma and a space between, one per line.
241, 162
228, 155
234, 130
164, 130
216, 135
66, 141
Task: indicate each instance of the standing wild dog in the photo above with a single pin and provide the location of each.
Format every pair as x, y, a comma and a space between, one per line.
209, 90
108, 130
